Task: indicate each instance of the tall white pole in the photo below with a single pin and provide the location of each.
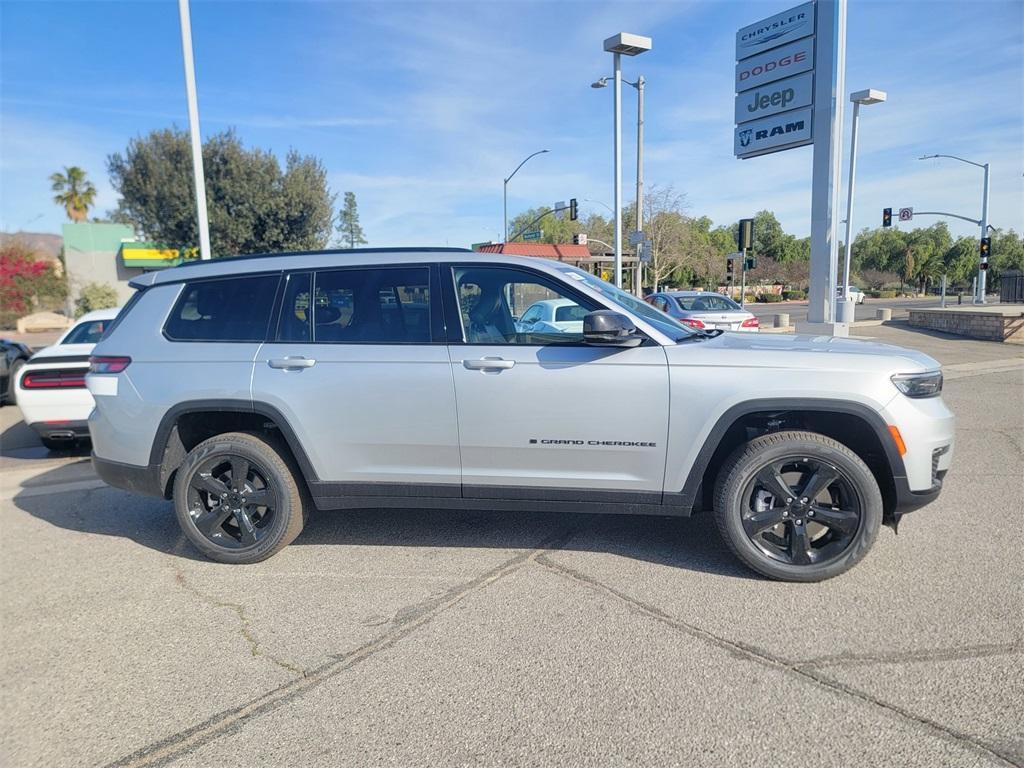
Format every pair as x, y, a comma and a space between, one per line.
193, 127
982, 273
618, 170
849, 213
638, 288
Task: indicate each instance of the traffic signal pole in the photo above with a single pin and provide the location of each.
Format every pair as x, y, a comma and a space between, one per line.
983, 271
743, 279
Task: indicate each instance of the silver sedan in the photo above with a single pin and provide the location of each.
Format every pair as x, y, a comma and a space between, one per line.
704, 309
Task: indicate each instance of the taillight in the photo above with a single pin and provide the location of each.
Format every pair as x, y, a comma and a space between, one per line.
54, 378
108, 364
692, 322
750, 322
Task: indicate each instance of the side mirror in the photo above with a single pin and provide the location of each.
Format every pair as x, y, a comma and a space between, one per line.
609, 329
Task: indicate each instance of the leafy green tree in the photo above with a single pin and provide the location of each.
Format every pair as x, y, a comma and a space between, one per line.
1007, 251
75, 193
253, 206
960, 260
553, 229
95, 296
348, 222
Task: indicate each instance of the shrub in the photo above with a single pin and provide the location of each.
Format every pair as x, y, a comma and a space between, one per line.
873, 294
26, 283
769, 298
95, 296
794, 295
886, 294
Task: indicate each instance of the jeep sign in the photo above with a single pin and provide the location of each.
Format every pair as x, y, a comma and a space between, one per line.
776, 30
773, 98
770, 134
782, 62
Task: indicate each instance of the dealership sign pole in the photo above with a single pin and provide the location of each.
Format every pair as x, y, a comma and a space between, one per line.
790, 72
193, 129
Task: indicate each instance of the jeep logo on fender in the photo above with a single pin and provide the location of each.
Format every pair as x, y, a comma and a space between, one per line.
792, 93
791, 129
775, 65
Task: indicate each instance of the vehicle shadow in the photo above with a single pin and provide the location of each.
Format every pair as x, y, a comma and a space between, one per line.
19, 441
686, 543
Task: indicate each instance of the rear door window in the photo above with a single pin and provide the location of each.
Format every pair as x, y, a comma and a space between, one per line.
235, 309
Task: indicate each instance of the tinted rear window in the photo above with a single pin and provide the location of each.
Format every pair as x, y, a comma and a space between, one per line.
706, 303
237, 309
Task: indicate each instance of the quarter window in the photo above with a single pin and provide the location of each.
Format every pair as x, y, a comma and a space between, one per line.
237, 309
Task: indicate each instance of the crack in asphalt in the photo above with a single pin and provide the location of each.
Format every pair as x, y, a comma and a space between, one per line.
255, 647
909, 657
406, 622
765, 658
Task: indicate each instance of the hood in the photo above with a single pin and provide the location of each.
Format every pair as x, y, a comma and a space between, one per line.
769, 350
63, 352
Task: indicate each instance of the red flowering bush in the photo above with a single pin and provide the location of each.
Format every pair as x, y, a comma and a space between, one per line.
25, 283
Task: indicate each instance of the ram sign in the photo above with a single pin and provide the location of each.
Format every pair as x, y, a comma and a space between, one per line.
775, 83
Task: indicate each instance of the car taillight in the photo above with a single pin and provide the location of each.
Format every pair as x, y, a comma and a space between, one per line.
750, 322
54, 378
108, 364
692, 322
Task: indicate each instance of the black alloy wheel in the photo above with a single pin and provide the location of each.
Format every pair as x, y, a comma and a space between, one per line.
801, 510
231, 501
797, 506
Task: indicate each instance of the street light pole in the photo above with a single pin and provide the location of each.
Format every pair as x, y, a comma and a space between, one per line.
193, 128
539, 152
870, 96
638, 288
979, 292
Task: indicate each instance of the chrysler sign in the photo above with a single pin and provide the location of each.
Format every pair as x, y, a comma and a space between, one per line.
776, 30
771, 134
781, 96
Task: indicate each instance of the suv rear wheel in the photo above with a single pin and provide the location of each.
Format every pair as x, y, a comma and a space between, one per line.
237, 498
797, 506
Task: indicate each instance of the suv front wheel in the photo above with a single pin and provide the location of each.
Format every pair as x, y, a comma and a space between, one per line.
797, 506
237, 498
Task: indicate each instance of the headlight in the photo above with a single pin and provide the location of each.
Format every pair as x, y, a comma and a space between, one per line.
919, 384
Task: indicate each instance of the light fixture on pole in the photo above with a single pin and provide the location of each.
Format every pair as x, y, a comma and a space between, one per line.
979, 296
622, 44
539, 152
639, 86
869, 96
193, 129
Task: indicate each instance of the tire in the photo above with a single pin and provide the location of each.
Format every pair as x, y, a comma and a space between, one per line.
797, 538
212, 506
12, 382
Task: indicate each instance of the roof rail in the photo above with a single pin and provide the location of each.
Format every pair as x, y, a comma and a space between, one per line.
324, 251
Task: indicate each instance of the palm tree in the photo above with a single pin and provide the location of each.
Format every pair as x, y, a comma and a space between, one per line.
74, 191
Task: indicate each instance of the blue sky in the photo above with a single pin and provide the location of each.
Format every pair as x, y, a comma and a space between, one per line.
422, 108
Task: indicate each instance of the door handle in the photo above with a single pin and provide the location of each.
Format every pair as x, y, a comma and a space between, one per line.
489, 364
291, 363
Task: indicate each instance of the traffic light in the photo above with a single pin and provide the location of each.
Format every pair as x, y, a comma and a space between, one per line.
728, 269
750, 263
745, 236
572, 210
887, 217
580, 239
986, 247
983, 265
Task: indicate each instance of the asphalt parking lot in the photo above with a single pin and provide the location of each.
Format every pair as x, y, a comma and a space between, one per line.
410, 637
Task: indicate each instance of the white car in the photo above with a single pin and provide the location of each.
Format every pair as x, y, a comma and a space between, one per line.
856, 294
51, 386
552, 316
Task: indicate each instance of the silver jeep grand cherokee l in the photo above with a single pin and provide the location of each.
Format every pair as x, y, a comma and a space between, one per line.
253, 390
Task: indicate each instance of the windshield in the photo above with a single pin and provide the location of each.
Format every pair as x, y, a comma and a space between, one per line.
674, 330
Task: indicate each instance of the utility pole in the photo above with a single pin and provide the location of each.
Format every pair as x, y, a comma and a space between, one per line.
983, 273
193, 129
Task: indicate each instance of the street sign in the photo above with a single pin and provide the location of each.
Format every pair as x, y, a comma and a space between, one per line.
478, 246
580, 239
776, 30
560, 208
771, 134
636, 237
906, 214
533, 234
646, 252
780, 96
